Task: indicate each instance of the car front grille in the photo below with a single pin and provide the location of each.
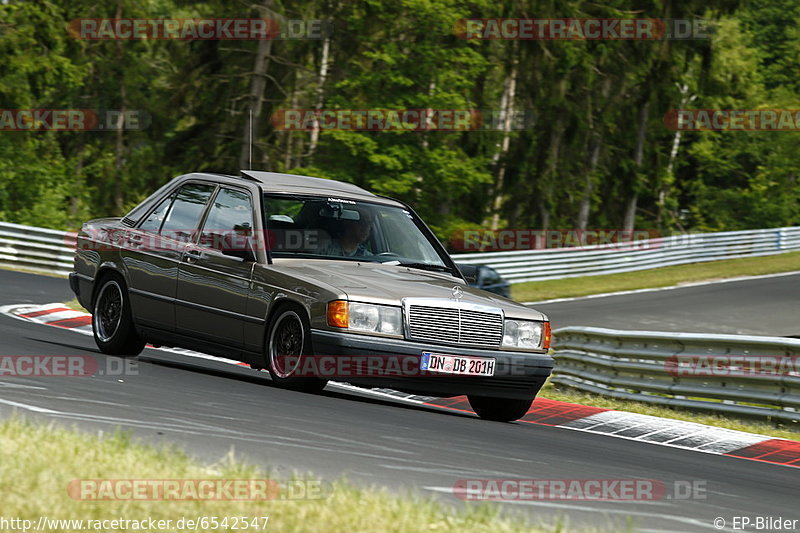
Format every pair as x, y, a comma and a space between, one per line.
455, 324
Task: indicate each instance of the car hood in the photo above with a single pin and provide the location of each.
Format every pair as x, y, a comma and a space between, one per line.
388, 284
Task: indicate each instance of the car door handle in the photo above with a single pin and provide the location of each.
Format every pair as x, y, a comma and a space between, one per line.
135, 240
192, 255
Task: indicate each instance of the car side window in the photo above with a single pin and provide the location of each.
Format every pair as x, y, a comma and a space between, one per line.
153, 222
188, 207
229, 222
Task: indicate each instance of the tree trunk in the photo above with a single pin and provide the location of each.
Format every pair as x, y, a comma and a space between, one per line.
77, 185
593, 149
321, 77
630, 208
289, 136
258, 83
673, 155
551, 163
586, 200
551, 169
544, 215
119, 145
119, 153
499, 157
424, 143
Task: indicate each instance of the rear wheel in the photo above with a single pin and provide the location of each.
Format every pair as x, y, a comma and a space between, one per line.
112, 322
288, 342
499, 409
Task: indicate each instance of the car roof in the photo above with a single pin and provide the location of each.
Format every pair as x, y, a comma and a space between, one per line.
295, 184
292, 183
268, 182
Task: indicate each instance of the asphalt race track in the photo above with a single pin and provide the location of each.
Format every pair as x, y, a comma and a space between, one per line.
210, 408
762, 306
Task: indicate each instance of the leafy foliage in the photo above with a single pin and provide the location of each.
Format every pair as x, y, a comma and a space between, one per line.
598, 153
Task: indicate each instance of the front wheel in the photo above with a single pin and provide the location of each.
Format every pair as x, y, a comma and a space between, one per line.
288, 343
112, 321
499, 409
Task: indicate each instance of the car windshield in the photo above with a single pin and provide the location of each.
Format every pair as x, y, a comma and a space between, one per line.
338, 228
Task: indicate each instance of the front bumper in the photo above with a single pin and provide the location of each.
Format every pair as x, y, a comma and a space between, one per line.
517, 375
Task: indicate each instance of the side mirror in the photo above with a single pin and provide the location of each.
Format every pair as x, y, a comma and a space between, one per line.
471, 274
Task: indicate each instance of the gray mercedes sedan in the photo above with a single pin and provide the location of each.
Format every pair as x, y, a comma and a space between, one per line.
311, 280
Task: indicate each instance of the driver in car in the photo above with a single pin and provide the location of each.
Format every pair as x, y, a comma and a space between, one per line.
352, 234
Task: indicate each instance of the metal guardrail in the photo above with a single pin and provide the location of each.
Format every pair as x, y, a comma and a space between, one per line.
48, 250
556, 263
37, 249
690, 370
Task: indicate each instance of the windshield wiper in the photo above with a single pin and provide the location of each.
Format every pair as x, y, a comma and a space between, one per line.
427, 266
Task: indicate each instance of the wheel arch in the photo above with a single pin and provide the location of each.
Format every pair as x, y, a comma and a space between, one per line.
279, 303
103, 271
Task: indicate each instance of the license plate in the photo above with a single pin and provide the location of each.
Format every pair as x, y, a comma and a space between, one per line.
463, 365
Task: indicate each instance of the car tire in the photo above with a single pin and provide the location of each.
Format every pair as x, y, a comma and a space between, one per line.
112, 321
499, 409
288, 342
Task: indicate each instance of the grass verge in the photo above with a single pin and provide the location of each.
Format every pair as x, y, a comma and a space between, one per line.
32, 271
658, 277
39, 462
785, 430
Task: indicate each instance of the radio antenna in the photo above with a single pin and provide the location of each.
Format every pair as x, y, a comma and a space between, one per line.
250, 160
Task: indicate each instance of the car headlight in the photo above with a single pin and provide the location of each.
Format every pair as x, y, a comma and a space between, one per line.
369, 318
522, 334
